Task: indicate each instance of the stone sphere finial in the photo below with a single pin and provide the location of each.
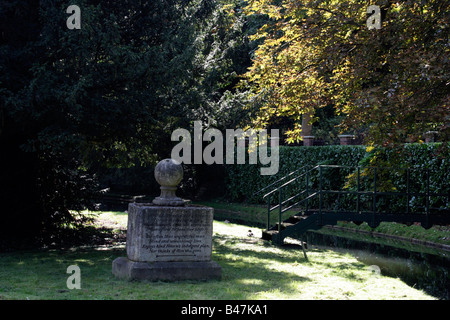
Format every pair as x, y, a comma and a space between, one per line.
168, 173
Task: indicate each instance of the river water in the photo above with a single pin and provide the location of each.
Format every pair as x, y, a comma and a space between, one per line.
419, 266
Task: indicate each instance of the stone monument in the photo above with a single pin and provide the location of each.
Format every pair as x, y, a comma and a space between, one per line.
169, 239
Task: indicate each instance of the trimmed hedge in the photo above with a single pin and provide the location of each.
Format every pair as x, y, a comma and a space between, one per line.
242, 181
429, 169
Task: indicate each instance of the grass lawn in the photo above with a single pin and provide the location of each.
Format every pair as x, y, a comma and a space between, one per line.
248, 214
252, 269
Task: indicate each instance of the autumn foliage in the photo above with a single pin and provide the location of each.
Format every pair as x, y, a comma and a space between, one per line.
393, 82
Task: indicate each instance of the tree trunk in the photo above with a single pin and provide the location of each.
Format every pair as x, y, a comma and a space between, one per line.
306, 125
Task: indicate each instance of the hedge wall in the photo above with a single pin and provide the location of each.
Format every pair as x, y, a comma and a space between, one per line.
429, 168
242, 181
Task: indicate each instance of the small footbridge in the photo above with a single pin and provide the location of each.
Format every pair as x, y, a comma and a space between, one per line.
312, 197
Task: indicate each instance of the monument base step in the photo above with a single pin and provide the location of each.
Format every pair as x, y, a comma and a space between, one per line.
166, 271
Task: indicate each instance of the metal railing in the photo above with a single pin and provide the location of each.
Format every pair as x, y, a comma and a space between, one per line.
370, 183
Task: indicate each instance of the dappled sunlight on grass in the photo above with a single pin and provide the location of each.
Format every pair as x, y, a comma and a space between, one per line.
284, 273
251, 281
111, 219
251, 269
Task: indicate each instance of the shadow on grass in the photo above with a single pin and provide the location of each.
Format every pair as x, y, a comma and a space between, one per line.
247, 273
41, 274
281, 267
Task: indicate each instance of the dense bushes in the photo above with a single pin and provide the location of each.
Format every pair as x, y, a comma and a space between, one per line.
428, 162
106, 95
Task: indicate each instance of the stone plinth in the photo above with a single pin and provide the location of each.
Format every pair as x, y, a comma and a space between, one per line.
346, 139
431, 136
168, 243
166, 271
308, 141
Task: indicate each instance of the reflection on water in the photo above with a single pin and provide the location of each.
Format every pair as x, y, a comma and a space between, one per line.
418, 266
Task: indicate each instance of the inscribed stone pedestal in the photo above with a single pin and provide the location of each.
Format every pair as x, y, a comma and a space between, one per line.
157, 233
168, 244
167, 239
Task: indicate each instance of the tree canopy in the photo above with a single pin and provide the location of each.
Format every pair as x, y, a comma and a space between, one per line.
393, 81
107, 94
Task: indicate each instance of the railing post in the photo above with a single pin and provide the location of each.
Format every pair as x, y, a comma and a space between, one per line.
428, 193
320, 194
268, 211
357, 188
374, 205
279, 211
427, 203
307, 190
407, 190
